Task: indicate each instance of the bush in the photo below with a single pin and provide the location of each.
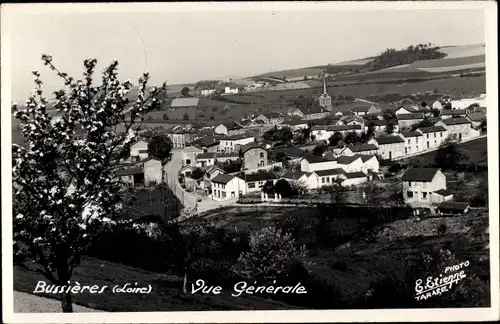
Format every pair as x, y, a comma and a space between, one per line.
165, 117
396, 167
283, 188
442, 229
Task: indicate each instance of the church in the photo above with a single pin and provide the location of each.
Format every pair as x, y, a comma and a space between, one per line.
325, 101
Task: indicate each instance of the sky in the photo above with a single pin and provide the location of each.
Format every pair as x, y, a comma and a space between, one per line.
185, 47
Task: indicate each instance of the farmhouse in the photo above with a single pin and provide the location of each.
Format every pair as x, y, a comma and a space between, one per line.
255, 181
206, 159
231, 128
433, 136
419, 185
254, 157
207, 144
476, 118
271, 118
450, 113
352, 163
365, 110
370, 163
232, 143
414, 142
312, 163
458, 128
329, 176
453, 208
189, 155
226, 186
354, 178
185, 103
406, 120
390, 147
361, 149
144, 173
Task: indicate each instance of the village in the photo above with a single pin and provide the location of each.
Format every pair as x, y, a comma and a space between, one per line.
274, 157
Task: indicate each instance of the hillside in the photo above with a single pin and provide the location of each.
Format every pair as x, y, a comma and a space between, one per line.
414, 61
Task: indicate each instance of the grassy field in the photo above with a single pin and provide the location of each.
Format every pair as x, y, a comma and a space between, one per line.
166, 293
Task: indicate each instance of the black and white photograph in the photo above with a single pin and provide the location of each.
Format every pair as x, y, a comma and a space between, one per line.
177, 162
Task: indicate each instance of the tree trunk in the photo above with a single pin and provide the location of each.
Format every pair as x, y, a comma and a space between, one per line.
67, 305
184, 284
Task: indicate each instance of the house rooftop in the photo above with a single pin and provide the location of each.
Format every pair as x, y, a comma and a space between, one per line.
453, 112
223, 178
345, 159
207, 155
129, 171
412, 134
443, 192
185, 102
206, 141
324, 173
413, 116
456, 121
420, 174
353, 175
250, 146
236, 137
318, 159
391, 139
259, 176
365, 157
363, 147
432, 129
295, 175
477, 116
382, 122
453, 206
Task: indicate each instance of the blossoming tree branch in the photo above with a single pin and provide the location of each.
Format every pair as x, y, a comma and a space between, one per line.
64, 189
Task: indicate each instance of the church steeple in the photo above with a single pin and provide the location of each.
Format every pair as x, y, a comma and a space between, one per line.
325, 100
324, 84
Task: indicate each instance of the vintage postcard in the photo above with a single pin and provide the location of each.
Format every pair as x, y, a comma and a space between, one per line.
250, 162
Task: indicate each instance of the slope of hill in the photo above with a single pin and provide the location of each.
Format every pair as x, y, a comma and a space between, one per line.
456, 59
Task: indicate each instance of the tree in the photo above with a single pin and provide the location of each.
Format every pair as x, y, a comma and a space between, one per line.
339, 191
65, 189
389, 129
185, 116
197, 173
165, 117
319, 149
335, 139
271, 250
160, 147
435, 112
185, 91
389, 115
351, 138
370, 133
283, 188
449, 155
424, 123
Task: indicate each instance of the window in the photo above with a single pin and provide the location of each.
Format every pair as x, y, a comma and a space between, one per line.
410, 194
424, 184
261, 154
435, 142
251, 185
441, 134
232, 194
223, 194
328, 180
424, 195
409, 183
406, 150
427, 135
322, 180
223, 186
188, 161
261, 163
427, 144
409, 141
435, 135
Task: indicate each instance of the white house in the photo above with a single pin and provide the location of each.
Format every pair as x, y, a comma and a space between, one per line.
421, 184
255, 181
230, 143
437, 105
365, 110
226, 186
389, 147
352, 163
433, 136
207, 92
231, 90
414, 142
354, 178
404, 111
189, 155
328, 177
370, 163
206, 159
312, 163
458, 128
406, 120
210, 173
451, 113
138, 149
